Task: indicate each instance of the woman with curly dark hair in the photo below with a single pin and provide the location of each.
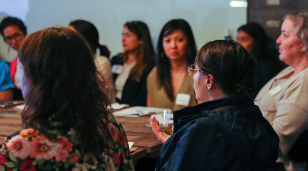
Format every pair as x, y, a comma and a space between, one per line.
66, 120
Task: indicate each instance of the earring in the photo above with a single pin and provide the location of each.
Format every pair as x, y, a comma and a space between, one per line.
209, 92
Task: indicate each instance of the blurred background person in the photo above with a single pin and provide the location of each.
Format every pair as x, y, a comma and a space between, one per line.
283, 100
14, 32
254, 39
131, 68
90, 33
6, 84
68, 125
169, 85
227, 131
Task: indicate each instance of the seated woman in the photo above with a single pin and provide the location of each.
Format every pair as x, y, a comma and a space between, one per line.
227, 131
283, 100
90, 33
67, 124
169, 85
6, 84
131, 68
14, 33
254, 39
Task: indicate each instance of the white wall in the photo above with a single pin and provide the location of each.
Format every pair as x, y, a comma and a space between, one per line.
209, 19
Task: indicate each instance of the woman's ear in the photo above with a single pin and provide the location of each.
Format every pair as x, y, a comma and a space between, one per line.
209, 81
304, 47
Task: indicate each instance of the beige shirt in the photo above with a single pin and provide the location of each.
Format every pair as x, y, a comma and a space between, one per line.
284, 103
158, 97
122, 78
104, 67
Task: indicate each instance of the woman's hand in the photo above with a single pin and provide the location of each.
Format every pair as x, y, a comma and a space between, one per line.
161, 136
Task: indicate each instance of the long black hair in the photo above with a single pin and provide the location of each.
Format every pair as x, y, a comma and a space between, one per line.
63, 88
266, 54
261, 41
163, 63
90, 33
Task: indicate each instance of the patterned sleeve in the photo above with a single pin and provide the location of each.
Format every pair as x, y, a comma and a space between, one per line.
121, 156
31, 151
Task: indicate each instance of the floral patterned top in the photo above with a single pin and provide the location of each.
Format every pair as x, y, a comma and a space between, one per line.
30, 151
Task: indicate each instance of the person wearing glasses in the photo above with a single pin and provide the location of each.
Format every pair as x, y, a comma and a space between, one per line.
227, 131
14, 32
169, 85
131, 69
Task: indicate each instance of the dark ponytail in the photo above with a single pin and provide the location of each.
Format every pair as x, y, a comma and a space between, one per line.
231, 66
104, 51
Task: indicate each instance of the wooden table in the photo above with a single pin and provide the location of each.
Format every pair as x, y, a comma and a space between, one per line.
10, 122
135, 128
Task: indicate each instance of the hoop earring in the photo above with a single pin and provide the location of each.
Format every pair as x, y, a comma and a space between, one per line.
209, 92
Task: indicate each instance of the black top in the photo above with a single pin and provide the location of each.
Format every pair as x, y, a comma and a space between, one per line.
134, 93
225, 134
266, 70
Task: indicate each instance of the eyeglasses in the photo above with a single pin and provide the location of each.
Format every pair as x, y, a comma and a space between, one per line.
16, 36
192, 70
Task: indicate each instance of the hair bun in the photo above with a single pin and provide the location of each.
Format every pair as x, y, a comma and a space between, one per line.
244, 86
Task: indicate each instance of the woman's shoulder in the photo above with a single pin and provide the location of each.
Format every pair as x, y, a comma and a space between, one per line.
31, 149
4, 66
296, 91
102, 59
152, 76
153, 71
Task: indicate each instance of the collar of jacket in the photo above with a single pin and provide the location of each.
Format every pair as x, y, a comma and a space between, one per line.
195, 112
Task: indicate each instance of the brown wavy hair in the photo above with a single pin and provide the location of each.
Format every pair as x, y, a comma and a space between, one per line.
146, 52
64, 86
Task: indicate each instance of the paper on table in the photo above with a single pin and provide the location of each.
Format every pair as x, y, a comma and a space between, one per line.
130, 144
139, 110
21, 107
118, 106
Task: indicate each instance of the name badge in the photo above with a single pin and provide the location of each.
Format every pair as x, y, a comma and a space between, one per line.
275, 90
117, 69
182, 99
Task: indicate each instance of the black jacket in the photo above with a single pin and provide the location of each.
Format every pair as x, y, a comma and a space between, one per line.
226, 134
134, 93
